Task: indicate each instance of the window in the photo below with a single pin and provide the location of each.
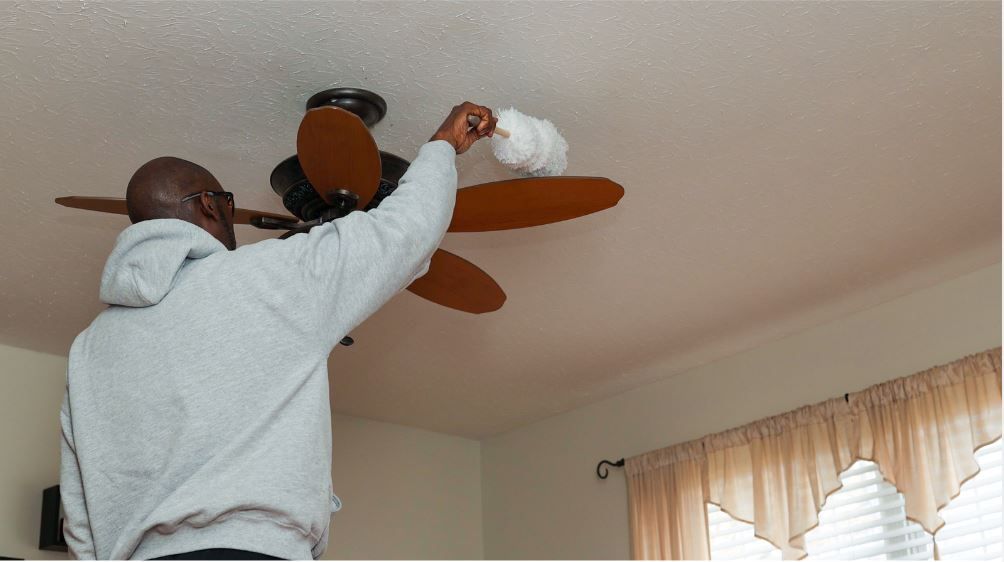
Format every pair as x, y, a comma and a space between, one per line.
866, 519
973, 520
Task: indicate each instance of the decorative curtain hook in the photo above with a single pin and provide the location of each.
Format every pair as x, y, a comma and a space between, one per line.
603, 475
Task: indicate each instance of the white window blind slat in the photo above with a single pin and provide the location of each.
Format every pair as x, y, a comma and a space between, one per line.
885, 500
972, 528
900, 532
973, 548
963, 521
837, 530
723, 519
917, 556
865, 480
921, 541
898, 545
745, 551
731, 532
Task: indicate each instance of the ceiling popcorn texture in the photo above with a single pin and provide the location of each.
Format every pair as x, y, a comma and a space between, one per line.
784, 165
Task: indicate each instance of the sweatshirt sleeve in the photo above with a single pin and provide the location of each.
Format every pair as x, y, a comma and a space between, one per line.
353, 265
76, 524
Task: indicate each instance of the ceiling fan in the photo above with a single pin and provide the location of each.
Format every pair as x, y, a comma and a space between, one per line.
338, 169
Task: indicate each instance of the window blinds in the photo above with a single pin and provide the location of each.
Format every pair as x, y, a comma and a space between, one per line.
866, 520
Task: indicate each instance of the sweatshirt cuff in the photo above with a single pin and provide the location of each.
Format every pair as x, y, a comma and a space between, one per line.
439, 147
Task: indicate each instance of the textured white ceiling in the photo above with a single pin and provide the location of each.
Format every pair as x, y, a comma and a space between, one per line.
785, 164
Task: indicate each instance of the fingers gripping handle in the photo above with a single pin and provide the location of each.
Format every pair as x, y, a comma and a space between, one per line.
474, 121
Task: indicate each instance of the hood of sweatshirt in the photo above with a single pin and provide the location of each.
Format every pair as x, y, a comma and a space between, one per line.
148, 256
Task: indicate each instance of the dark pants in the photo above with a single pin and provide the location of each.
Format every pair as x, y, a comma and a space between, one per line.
218, 554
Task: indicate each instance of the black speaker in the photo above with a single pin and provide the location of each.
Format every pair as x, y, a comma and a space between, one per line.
50, 534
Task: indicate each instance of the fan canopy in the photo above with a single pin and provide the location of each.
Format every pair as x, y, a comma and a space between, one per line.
301, 199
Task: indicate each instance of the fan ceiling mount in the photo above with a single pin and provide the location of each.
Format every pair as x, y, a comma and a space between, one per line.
364, 104
338, 169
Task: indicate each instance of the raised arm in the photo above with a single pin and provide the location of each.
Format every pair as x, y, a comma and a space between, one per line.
355, 264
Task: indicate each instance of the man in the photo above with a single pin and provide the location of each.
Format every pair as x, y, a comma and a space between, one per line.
196, 422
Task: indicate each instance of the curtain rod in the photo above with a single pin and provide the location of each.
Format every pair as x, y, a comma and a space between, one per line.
620, 463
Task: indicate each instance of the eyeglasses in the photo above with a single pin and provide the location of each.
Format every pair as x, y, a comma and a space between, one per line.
229, 196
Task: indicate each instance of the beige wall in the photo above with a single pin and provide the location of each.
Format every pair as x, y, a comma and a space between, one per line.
542, 499
31, 389
407, 493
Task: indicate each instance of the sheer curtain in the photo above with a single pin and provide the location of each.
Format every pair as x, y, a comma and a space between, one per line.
776, 473
668, 520
921, 430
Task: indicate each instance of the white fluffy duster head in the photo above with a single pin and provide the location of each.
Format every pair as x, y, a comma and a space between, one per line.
534, 147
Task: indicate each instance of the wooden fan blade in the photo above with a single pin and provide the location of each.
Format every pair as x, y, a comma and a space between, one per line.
520, 203
457, 283
336, 151
117, 205
244, 216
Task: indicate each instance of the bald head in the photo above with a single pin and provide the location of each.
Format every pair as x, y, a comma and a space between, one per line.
156, 189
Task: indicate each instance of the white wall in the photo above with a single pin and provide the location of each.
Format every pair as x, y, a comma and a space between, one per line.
542, 499
407, 493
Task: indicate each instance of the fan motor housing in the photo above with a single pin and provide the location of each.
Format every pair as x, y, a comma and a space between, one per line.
300, 198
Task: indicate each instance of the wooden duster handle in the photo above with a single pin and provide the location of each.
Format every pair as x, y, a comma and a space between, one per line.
473, 120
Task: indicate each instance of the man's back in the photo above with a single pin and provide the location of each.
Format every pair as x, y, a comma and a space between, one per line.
192, 399
197, 411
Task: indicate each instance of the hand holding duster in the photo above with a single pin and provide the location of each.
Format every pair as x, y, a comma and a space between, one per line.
529, 146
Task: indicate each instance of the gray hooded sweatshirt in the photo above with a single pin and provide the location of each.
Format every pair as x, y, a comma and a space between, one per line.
196, 412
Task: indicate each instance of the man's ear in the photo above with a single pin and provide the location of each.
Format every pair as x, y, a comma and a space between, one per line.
207, 205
